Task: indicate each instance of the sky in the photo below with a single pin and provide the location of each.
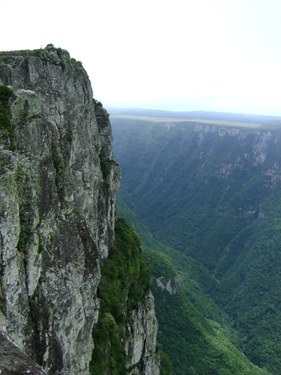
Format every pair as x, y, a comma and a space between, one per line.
218, 55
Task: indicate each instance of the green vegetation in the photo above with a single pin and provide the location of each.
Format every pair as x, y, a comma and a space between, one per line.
215, 197
35, 52
24, 238
125, 282
194, 332
194, 342
166, 367
97, 103
59, 165
24, 113
5, 115
104, 165
44, 54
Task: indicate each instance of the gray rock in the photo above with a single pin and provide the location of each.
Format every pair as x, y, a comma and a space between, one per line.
13, 361
141, 340
58, 182
54, 211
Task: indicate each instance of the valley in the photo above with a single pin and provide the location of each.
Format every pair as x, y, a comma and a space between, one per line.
203, 191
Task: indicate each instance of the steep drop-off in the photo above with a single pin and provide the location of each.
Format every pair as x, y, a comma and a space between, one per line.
213, 192
57, 210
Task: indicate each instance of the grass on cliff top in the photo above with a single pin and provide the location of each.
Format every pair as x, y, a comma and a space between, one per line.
39, 52
27, 52
187, 121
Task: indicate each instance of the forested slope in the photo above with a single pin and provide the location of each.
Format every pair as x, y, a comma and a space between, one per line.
195, 332
213, 193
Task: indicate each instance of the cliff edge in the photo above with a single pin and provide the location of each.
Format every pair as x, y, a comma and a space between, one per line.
58, 182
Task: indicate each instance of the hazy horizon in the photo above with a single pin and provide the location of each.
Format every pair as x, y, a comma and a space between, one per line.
220, 55
183, 110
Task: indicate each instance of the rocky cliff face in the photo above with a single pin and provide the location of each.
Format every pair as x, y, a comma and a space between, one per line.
57, 216
14, 361
141, 339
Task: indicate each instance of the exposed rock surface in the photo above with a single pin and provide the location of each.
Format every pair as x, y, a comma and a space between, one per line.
141, 339
166, 284
13, 361
57, 208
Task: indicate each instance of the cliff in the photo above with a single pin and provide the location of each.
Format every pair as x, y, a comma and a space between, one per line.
57, 217
212, 191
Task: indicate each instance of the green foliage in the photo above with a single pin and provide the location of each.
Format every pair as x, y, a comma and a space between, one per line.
193, 331
188, 205
159, 263
24, 238
255, 300
58, 160
97, 103
5, 94
104, 164
124, 284
5, 115
69, 135
205, 194
204, 347
24, 112
59, 165
166, 367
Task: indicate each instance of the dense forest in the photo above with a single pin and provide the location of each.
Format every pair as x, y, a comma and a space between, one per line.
204, 194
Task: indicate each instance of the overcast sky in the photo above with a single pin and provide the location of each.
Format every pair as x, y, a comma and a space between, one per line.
221, 55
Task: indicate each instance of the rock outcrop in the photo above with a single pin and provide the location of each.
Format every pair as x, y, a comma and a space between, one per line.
13, 361
58, 182
141, 339
167, 285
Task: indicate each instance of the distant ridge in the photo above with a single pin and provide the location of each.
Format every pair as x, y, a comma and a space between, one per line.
216, 116
184, 114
